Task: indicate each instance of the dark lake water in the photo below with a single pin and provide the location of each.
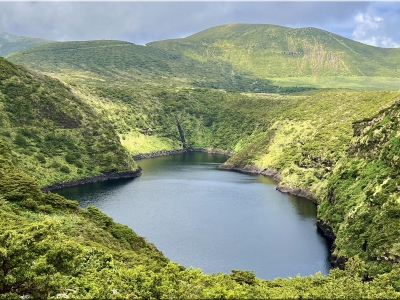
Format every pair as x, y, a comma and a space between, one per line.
216, 220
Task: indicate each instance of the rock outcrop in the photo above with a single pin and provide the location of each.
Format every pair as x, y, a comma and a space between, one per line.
103, 177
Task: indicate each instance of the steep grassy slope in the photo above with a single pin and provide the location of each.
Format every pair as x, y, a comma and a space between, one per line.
363, 200
138, 88
275, 51
53, 134
10, 43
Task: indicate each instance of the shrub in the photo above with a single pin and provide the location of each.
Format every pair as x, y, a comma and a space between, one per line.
101, 219
65, 169
30, 204
48, 209
70, 158
7, 133
21, 141
55, 165
41, 158
56, 200
126, 235
242, 277
79, 164
16, 186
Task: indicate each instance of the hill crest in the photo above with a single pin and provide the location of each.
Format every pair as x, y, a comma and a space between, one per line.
10, 43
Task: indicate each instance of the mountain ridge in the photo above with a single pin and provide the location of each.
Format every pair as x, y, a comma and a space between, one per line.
10, 43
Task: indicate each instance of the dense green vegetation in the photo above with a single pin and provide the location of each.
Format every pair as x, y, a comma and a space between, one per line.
340, 146
10, 43
53, 134
362, 203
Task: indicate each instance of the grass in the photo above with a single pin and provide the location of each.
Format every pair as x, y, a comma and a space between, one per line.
364, 83
136, 143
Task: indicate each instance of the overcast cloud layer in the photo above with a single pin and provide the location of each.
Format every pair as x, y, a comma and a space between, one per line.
374, 23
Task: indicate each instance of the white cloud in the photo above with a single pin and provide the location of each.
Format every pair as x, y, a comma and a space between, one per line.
378, 25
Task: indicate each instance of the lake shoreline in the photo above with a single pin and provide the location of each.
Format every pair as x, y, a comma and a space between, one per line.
92, 179
274, 174
128, 174
160, 153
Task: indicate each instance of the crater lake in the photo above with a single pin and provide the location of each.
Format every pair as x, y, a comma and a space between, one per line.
216, 220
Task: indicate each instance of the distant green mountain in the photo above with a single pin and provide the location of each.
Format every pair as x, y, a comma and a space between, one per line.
10, 43
275, 51
122, 61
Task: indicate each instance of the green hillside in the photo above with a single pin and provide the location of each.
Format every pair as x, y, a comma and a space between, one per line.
117, 61
53, 134
362, 203
10, 43
137, 87
270, 51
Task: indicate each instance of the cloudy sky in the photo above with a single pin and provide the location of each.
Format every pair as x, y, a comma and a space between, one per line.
374, 23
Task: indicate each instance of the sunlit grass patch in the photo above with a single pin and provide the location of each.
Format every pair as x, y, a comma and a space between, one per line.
366, 83
136, 143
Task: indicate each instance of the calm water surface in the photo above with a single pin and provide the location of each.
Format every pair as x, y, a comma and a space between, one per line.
216, 220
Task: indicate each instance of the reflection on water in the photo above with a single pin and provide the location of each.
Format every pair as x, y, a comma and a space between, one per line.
304, 207
200, 216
